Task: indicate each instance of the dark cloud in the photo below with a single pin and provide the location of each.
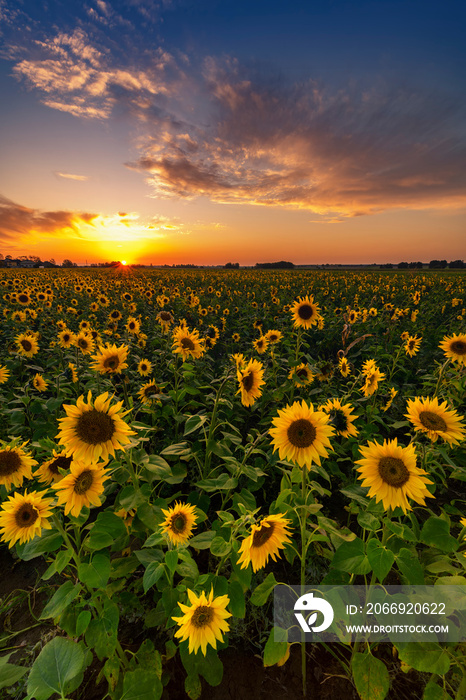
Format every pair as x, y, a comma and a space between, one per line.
17, 221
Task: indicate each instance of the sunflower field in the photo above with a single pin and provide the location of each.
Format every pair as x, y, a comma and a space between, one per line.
175, 443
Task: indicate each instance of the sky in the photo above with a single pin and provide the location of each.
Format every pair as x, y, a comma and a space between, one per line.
214, 131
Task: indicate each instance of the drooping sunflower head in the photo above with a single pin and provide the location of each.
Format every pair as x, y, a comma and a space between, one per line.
39, 383
390, 472
250, 378
15, 464
301, 434
180, 520
344, 367
94, 430
110, 359
436, 420
23, 517
340, 417
266, 540
302, 375
149, 393
82, 487
50, 472
305, 312
454, 347
204, 621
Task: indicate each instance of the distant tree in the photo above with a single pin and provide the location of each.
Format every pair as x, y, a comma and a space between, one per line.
1, 256
386, 266
457, 264
230, 265
403, 265
282, 265
67, 263
437, 264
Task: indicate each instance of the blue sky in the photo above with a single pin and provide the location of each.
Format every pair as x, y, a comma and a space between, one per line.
191, 131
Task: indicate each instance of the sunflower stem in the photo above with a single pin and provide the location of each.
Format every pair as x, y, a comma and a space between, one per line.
302, 517
212, 426
68, 541
440, 377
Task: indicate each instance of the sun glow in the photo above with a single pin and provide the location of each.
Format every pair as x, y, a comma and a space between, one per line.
123, 262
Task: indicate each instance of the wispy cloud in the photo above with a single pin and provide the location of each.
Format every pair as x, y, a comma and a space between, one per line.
71, 176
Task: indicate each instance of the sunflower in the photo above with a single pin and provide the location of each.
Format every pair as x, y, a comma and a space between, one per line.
212, 332
236, 337
305, 312
187, 343
133, 325
265, 540
114, 316
260, 344
301, 435
165, 318
110, 359
344, 367
84, 342
250, 380
239, 360
149, 393
4, 374
340, 417
66, 338
81, 488
93, 430
144, 368
463, 523
302, 375
50, 470
412, 345
204, 622
39, 383
23, 298
15, 464
393, 393
72, 372
372, 379
24, 517
353, 316
455, 347
180, 520
274, 336
435, 419
391, 473
27, 345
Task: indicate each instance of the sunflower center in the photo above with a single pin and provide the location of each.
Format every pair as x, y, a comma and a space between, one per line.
187, 344
82, 342
27, 345
202, 616
261, 536
432, 421
83, 482
302, 373
339, 420
10, 462
301, 433
393, 471
23, 298
305, 312
95, 427
178, 523
248, 381
111, 362
165, 315
61, 462
26, 515
458, 347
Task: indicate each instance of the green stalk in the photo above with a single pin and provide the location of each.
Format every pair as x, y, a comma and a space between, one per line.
303, 572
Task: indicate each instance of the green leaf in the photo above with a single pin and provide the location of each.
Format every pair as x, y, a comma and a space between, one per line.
192, 686
96, 573
350, 557
58, 663
410, 567
432, 691
243, 575
380, 559
141, 685
263, 590
194, 423
56, 567
152, 574
368, 521
370, 677
428, 657
107, 528
436, 533
41, 544
101, 633
82, 622
203, 540
219, 547
237, 604
222, 483
274, 651
61, 599
171, 559
181, 449
10, 673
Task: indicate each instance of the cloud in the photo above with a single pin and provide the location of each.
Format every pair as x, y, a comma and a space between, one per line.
18, 222
70, 176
